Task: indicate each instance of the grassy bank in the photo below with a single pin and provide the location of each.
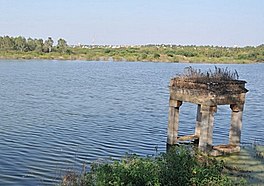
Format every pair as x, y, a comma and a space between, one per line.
188, 54
179, 166
28, 48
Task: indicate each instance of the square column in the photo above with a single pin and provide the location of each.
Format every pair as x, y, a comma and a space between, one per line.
236, 124
173, 123
198, 121
206, 131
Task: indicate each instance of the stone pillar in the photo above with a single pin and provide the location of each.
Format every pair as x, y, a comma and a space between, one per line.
236, 124
173, 123
206, 132
198, 121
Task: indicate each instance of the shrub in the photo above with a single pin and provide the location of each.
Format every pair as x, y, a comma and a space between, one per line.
130, 171
156, 56
179, 166
176, 167
144, 56
107, 51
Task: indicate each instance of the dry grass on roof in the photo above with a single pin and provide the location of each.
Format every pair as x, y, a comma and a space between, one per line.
216, 75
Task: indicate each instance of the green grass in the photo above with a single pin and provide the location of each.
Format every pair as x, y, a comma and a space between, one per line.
179, 166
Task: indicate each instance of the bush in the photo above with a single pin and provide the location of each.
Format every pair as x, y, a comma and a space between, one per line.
107, 51
156, 56
144, 56
179, 166
130, 171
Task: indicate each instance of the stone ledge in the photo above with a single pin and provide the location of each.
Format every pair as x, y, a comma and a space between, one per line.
188, 138
219, 150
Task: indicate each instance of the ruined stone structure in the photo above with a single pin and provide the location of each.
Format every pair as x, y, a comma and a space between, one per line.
207, 94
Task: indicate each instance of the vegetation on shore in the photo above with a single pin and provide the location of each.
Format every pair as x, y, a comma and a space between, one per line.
22, 48
179, 166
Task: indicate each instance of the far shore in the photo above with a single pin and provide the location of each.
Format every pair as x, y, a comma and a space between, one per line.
57, 56
22, 48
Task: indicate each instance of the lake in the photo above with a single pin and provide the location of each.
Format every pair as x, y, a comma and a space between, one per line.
57, 115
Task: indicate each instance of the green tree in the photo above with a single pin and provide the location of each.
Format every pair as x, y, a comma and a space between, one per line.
48, 45
7, 43
1, 42
62, 45
39, 45
31, 44
20, 43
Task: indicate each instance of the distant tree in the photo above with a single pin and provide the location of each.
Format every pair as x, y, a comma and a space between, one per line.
39, 45
260, 46
62, 45
31, 44
1, 42
7, 43
20, 43
48, 45
107, 51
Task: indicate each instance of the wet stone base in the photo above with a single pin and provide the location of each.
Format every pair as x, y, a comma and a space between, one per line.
220, 150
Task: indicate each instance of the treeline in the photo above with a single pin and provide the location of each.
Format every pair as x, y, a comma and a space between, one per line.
22, 48
22, 44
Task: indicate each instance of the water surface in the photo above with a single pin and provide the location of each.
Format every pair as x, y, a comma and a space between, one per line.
57, 115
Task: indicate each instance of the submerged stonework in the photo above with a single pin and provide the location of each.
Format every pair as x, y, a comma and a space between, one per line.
207, 91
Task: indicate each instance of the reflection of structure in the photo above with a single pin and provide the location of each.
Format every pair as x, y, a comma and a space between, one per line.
207, 91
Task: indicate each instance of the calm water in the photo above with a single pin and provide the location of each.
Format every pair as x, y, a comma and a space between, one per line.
57, 115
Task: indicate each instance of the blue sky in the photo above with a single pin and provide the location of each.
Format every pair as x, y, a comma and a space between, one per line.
185, 22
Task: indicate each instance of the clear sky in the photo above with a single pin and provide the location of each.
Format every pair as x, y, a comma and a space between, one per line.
185, 22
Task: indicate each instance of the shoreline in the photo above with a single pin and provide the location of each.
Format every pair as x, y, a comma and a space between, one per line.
22, 48
102, 59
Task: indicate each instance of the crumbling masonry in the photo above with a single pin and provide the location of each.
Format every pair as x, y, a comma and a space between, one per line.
207, 94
